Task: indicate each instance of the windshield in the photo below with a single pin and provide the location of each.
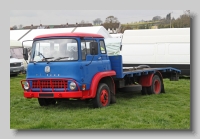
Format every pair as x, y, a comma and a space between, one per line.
54, 50
16, 53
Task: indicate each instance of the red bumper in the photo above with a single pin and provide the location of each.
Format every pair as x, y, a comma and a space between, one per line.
76, 94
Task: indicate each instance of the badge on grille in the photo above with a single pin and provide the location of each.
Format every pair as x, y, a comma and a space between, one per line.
47, 69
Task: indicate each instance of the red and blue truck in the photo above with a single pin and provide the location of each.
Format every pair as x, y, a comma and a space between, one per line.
66, 66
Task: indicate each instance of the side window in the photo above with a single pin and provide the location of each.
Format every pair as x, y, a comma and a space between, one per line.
88, 47
83, 50
102, 47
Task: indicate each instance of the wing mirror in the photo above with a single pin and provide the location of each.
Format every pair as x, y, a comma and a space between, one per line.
93, 48
25, 53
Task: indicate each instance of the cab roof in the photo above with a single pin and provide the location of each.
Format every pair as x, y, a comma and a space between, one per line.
84, 35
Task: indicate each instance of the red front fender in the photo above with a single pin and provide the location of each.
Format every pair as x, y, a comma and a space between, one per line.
96, 79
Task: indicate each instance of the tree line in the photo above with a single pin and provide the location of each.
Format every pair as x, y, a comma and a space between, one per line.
183, 21
112, 22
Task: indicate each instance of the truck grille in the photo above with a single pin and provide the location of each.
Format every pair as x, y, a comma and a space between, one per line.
15, 64
49, 84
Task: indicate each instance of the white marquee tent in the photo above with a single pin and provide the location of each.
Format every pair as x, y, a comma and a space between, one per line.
112, 43
16, 34
22, 35
94, 29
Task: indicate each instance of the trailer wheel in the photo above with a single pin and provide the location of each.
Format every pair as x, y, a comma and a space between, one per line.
102, 98
156, 86
46, 101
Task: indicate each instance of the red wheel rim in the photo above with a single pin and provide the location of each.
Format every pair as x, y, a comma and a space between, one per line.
157, 87
104, 97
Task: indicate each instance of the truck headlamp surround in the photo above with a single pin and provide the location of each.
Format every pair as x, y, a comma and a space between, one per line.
72, 86
25, 85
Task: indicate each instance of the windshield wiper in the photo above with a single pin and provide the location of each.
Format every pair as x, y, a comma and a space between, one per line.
45, 58
59, 58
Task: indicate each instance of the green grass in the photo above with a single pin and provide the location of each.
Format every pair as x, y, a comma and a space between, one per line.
170, 110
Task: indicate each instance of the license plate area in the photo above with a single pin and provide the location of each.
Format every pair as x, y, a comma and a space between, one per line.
46, 95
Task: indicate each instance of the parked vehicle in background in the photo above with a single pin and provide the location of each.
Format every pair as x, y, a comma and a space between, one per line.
16, 56
157, 48
16, 66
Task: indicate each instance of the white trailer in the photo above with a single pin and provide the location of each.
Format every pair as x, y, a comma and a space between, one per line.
157, 48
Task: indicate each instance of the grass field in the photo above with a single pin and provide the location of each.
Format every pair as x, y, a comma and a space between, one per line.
170, 110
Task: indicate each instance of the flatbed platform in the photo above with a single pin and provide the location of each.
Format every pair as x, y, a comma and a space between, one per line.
116, 63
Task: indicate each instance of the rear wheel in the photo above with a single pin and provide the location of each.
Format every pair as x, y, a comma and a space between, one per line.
102, 98
46, 101
156, 86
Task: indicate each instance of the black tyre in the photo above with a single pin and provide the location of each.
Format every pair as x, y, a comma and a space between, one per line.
102, 98
46, 101
112, 99
156, 86
144, 90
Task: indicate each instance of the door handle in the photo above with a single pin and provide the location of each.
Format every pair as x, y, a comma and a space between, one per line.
99, 58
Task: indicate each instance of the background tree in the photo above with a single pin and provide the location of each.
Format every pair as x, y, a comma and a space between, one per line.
183, 21
148, 26
82, 22
111, 19
142, 26
14, 27
156, 18
126, 27
97, 21
20, 26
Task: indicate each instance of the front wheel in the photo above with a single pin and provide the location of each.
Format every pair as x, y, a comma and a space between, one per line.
102, 98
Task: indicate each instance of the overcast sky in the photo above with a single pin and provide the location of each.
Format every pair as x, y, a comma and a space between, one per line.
57, 17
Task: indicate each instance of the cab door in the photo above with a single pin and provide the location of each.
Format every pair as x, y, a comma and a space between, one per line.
90, 64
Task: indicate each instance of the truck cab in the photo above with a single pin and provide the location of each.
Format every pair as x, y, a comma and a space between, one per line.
68, 65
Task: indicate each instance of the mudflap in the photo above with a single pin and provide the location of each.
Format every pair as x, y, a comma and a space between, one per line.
174, 77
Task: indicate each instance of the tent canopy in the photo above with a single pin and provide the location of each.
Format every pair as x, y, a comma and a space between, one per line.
23, 35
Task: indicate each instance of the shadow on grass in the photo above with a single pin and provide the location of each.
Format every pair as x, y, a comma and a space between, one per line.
71, 104
88, 104
184, 77
128, 95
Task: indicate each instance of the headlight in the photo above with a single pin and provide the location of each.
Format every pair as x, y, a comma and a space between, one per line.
72, 86
25, 85
22, 63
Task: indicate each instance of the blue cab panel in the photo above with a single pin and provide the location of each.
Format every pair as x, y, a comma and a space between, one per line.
116, 65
